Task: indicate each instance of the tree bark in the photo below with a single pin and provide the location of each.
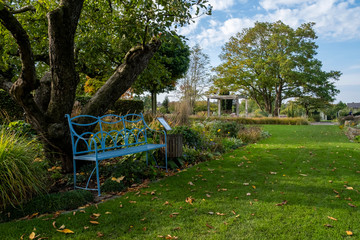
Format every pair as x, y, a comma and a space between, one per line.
153, 103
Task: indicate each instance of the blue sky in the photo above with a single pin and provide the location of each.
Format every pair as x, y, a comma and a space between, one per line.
337, 27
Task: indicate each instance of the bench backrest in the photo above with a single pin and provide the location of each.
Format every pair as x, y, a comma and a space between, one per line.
107, 132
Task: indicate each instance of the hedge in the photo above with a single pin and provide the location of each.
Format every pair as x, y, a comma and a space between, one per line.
120, 107
273, 120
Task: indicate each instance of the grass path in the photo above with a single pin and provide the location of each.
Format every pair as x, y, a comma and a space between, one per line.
286, 187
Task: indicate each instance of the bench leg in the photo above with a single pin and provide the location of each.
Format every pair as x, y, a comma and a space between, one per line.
97, 177
147, 158
166, 159
74, 167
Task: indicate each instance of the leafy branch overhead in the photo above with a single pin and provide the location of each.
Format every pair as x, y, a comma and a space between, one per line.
108, 40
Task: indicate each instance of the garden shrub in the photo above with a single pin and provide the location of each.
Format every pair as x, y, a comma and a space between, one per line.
225, 128
9, 108
20, 176
21, 127
48, 203
191, 138
250, 134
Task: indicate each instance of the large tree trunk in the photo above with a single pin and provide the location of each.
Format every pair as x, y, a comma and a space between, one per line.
55, 92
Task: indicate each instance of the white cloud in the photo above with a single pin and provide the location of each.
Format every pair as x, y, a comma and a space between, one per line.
221, 4
275, 4
220, 33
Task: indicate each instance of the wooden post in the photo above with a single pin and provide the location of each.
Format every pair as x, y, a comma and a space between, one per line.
208, 106
237, 106
246, 107
219, 107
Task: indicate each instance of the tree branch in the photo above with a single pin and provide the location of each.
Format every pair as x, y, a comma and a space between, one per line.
136, 60
23, 9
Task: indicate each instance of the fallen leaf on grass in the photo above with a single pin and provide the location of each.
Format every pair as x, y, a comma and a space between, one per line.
349, 188
209, 226
66, 231
168, 237
349, 233
222, 190
86, 227
253, 186
99, 234
335, 191
54, 222
246, 184
233, 212
328, 225
273, 173
177, 228
282, 204
94, 222
32, 235
248, 194
191, 184
107, 212
190, 200
132, 201
62, 227
220, 214
332, 218
304, 175
211, 213
351, 205
208, 195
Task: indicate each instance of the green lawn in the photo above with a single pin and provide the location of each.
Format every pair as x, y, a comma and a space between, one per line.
284, 187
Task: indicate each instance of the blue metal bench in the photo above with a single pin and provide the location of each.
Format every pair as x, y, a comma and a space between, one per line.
114, 136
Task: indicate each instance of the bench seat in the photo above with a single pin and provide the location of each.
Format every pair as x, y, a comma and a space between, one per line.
119, 152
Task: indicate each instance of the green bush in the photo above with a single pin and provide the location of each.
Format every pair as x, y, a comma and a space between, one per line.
48, 203
191, 138
9, 108
225, 128
122, 107
21, 127
20, 176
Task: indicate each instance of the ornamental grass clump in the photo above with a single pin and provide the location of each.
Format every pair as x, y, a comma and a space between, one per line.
20, 177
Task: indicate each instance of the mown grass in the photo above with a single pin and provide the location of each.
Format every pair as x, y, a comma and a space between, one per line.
296, 179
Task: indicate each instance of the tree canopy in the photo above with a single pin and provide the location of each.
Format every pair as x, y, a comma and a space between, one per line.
169, 64
271, 62
48, 47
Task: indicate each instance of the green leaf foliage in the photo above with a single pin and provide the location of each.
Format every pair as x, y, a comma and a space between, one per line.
271, 62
